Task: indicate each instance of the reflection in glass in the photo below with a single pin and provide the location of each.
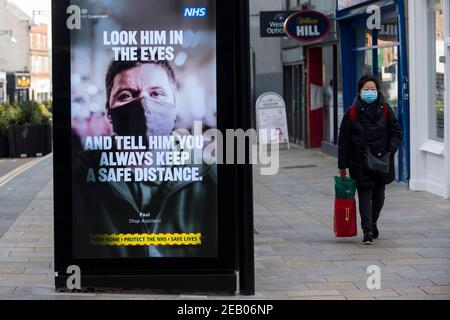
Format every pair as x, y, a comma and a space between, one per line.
388, 74
364, 63
388, 34
364, 37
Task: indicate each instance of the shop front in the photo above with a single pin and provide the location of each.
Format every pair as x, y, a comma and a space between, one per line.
429, 36
312, 85
2, 87
18, 88
294, 79
380, 52
41, 89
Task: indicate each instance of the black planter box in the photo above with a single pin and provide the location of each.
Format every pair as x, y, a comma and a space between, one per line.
4, 146
30, 140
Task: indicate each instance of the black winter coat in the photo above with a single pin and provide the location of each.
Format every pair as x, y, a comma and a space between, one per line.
380, 134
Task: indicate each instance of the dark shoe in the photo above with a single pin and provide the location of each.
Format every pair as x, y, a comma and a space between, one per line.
375, 231
368, 238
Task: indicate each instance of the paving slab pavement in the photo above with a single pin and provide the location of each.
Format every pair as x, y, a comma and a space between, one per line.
297, 256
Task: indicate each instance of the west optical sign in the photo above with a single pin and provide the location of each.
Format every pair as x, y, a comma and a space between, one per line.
272, 23
307, 26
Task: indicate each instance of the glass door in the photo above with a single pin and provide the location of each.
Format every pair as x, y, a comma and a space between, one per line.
293, 95
331, 87
288, 97
377, 53
298, 97
388, 75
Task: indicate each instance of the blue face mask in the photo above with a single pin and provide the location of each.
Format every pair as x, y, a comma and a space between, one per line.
369, 96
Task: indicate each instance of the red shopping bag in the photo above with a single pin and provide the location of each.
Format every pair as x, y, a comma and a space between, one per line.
345, 218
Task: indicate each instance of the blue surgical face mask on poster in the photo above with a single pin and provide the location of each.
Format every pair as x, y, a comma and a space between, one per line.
369, 96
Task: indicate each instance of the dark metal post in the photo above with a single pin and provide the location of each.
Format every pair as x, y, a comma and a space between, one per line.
403, 84
244, 121
335, 94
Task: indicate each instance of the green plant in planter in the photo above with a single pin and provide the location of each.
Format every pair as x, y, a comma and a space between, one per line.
32, 113
48, 105
30, 132
9, 116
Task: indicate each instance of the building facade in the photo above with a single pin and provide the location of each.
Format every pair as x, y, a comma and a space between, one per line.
267, 69
408, 55
312, 85
382, 53
40, 63
2, 87
429, 37
15, 55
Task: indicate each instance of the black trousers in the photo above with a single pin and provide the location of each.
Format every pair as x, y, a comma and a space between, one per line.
371, 202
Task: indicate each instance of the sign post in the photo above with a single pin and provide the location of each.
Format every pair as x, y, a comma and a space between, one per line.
137, 85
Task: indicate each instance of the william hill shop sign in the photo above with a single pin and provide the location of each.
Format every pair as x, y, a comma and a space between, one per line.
307, 26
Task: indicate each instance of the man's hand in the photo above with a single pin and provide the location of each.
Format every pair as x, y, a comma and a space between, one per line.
342, 173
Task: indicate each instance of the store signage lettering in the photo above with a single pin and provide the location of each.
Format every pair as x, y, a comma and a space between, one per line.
23, 82
308, 26
308, 31
272, 23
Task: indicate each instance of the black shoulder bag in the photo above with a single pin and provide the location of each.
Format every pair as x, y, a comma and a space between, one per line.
379, 164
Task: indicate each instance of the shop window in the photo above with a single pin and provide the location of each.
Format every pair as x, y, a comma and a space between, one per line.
436, 45
328, 93
364, 63
33, 64
46, 69
364, 37
388, 35
388, 74
38, 65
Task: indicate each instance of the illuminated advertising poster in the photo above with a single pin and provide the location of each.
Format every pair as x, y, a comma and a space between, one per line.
143, 92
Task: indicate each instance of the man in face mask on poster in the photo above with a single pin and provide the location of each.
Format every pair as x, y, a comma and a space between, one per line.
141, 99
141, 102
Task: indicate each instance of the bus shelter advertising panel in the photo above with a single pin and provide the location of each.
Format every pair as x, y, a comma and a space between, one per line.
141, 70
138, 85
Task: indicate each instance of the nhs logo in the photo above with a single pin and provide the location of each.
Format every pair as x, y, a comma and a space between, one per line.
195, 12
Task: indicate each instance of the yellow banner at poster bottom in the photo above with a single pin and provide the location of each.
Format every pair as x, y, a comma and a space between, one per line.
160, 239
